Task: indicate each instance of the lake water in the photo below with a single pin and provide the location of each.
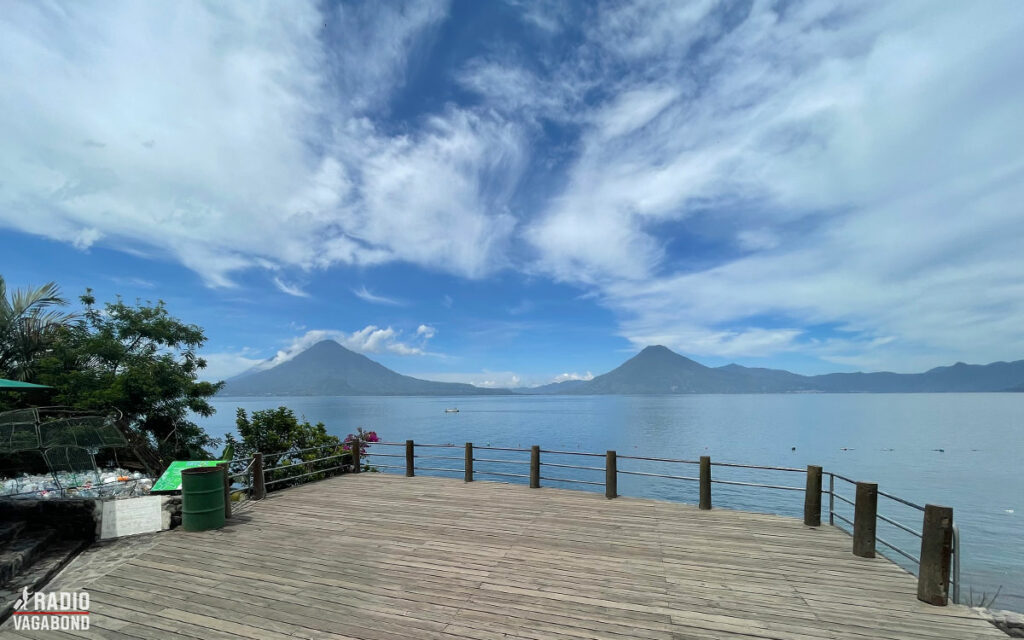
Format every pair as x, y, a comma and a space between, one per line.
961, 450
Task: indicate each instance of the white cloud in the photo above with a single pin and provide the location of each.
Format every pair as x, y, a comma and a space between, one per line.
698, 340
502, 379
371, 339
852, 166
565, 377
290, 289
244, 135
547, 15
486, 379
509, 381
863, 160
227, 364
365, 294
132, 281
372, 42
426, 332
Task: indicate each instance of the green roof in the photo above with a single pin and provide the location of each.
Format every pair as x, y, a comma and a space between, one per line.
14, 385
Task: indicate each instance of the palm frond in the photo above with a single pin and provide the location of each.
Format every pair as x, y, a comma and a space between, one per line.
28, 320
33, 301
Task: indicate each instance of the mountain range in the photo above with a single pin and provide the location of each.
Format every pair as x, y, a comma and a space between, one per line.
658, 370
329, 369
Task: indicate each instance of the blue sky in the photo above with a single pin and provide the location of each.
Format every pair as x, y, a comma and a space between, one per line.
510, 193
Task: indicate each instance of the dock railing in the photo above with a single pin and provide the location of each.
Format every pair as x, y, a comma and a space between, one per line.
939, 560
937, 566
254, 470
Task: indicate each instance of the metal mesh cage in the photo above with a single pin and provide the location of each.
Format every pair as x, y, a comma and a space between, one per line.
70, 459
18, 431
92, 432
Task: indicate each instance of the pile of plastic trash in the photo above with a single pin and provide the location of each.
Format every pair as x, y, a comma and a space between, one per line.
105, 483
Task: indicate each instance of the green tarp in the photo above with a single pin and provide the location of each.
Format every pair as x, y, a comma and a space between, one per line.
14, 385
171, 480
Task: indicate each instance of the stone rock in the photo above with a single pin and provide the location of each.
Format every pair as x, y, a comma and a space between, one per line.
171, 511
72, 517
1009, 622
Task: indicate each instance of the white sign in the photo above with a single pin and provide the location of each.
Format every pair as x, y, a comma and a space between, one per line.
131, 516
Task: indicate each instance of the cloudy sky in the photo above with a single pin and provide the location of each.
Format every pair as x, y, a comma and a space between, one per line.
513, 192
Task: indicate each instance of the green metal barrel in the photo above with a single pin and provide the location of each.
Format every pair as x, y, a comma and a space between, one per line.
202, 498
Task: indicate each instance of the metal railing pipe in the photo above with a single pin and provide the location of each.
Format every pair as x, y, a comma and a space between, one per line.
899, 525
955, 578
410, 454
571, 466
259, 479
573, 453
901, 500
831, 498
504, 461
650, 459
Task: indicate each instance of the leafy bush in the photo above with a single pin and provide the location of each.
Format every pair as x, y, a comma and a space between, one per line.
285, 442
135, 361
142, 361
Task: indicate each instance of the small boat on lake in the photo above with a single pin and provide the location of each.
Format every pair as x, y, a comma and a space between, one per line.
451, 410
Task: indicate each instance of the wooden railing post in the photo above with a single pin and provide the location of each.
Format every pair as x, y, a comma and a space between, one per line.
226, 466
812, 497
469, 462
357, 457
535, 467
705, 482
611, 475
865, 519
410, 467
259, 486
936, 555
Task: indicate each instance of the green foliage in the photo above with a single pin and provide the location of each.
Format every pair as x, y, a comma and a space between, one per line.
141, 361
29, 323
284, 441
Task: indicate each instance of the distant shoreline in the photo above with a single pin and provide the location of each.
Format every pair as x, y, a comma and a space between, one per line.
516, 394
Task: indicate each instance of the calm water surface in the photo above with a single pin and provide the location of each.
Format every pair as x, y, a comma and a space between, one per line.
959, 450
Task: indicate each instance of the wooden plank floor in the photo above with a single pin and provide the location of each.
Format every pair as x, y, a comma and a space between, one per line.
382, 557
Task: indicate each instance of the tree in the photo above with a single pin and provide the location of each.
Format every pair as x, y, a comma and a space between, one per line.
143, 362
28, 324
284, 441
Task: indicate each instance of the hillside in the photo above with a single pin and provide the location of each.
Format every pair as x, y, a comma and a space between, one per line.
329, 369
658, 370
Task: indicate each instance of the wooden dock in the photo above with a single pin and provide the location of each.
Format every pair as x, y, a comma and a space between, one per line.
383, 557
